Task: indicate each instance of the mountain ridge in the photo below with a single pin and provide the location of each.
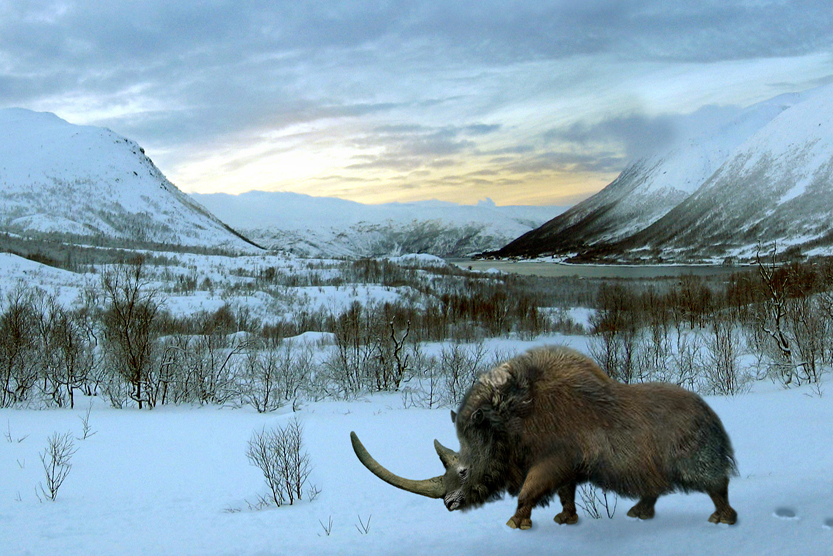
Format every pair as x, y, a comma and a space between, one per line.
775, 148
325, 226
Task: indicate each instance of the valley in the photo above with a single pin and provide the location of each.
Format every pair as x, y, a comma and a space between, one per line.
245, 344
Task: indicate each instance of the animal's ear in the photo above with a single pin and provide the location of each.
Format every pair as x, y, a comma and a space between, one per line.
453, 416
477, 417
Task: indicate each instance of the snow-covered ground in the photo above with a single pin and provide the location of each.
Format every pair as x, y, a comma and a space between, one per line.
19, 272
177, 481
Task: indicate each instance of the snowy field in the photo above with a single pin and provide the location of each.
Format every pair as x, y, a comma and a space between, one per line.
176, 480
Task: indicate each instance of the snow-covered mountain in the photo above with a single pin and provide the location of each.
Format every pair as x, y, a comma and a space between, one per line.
760, 175
777, 187
82, 183
321, 226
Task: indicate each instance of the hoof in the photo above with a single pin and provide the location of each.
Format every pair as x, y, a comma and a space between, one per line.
522, 524
641, 513
565, 518
728, 517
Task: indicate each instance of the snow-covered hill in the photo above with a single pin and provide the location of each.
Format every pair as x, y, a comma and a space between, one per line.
83, 182
320, 226
760, 175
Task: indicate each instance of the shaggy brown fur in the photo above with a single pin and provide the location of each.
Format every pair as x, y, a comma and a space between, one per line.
550, 419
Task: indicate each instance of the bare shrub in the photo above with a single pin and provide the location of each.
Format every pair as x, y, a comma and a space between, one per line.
350, 366
722, 371
86, 429
597, 502
209, 372
274, 373
771, 316
12, 439
173, 370
808, 330
791, 320
363, 527
260, 378
393, 358
616, 327
116, 390
687, 365
460, 366
280, 456
129, 329
328, 529
56, 463
424, 383
67, 356
19, 354
655, 356
691, 301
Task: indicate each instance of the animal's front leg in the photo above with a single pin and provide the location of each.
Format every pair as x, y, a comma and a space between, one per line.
540, 481
521, 519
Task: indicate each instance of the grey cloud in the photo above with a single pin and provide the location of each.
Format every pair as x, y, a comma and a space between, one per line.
638, 135
480, 129
487, 172
227, 68
681, 30
555, 161
514, 149
413, 146
399, 129
518, 29
106, 41
801, 84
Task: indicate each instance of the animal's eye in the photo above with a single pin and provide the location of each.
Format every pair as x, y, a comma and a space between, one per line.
464, 472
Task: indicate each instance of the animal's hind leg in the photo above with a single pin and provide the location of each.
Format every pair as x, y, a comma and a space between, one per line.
723, 513
568, 515
644, 509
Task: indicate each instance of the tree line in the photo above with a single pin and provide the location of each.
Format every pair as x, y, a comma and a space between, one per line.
119, 342
773, 320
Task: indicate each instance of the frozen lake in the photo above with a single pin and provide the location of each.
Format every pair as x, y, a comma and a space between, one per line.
595, 271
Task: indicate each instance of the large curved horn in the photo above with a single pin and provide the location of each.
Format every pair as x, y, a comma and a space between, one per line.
432, 488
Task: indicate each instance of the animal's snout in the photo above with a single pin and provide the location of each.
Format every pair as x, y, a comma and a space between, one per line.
451, 503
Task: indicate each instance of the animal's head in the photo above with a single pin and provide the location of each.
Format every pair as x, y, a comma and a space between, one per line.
474, 474
449, 487
461, 486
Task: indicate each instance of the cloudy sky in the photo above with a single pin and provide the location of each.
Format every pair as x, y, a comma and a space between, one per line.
524, 102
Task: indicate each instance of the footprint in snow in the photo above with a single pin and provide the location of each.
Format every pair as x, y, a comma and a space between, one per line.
786, 513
